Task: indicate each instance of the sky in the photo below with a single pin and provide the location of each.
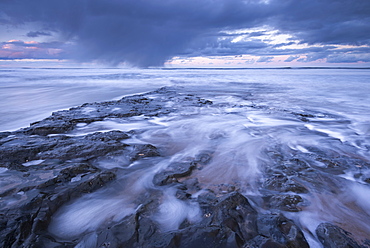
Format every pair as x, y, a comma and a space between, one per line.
186, 33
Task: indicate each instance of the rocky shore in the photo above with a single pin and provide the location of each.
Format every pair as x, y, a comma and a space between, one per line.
49, 165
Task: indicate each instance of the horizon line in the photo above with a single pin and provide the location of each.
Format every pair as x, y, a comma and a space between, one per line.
201, 68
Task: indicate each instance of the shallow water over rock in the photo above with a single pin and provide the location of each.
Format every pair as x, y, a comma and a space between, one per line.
172, 168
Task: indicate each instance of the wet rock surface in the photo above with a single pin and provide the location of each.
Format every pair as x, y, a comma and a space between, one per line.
57, 161
333, 236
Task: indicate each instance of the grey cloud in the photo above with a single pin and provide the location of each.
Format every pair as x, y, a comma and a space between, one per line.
214, 47
236, 34
348, 58
284, 44
259, 33
265, 59
34, 34
291, 58
249, 61
303, 51
326, 21
313, 57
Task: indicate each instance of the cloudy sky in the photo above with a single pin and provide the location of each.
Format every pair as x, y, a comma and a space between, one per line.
187, 33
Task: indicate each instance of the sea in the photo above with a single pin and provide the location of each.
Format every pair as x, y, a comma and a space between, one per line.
253, 114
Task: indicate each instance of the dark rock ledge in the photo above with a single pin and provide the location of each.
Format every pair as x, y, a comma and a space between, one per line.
42, 169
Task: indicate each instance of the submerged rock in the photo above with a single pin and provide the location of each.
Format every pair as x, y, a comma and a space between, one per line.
174, 171
333, 236
284, 202
278, 231
228, 222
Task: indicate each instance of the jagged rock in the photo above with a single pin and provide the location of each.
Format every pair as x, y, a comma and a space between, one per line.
191, 185
174, 171
279, 182
50, 126
230, 221
332, 236
284, 202
277, 231
107, 136
30, 219
235, 212
20, 149
66, 120
71, 148
142, 151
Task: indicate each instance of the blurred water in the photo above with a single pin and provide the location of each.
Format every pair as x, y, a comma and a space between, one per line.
297, 113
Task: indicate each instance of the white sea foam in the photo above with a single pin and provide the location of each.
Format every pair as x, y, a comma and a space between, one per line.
331, 133
81, 124
33, 162
76, 179
172, 212
361, 193
88, 214
88, 110
110, 125
348, 208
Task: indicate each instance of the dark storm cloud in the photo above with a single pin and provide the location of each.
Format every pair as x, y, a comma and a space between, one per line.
284, 44
236, 34
150, 32
143, 32
225, 47
34, 34
326, 21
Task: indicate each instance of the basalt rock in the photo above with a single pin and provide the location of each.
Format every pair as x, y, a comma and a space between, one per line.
284, 202
333, 236
278, 231
279, 182
66, 120
24, 222
46, 172
174, 171
228, 222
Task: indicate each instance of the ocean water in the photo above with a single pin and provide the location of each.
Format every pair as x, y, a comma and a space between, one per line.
257, 113
28, 95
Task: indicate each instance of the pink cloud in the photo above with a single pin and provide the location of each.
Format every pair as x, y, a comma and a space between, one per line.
17, 49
